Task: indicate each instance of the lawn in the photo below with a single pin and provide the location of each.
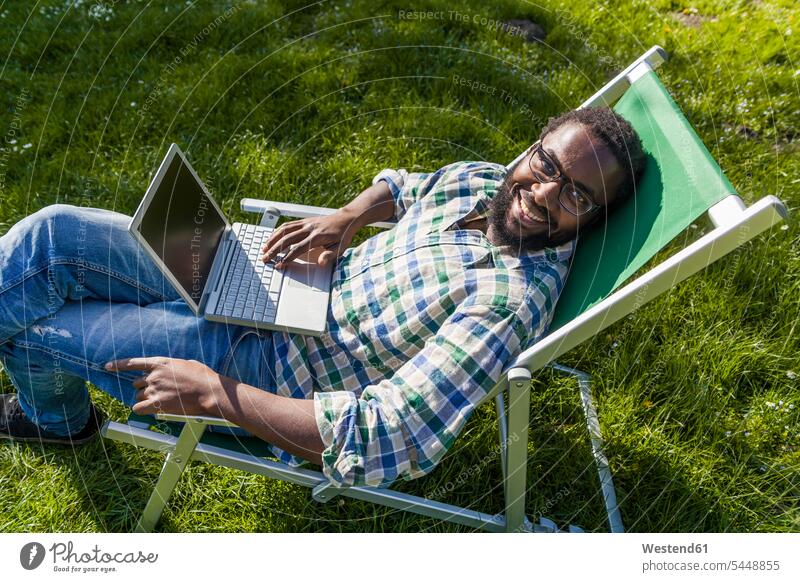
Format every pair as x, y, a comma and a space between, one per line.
697, 391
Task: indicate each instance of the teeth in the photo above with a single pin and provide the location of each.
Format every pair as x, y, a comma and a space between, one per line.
526, 210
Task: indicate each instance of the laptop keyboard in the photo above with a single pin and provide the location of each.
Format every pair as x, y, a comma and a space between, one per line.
251, 288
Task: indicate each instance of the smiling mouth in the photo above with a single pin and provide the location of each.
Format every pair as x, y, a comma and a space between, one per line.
530, 212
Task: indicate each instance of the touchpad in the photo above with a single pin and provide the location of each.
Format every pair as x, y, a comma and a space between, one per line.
305, 273
305, 276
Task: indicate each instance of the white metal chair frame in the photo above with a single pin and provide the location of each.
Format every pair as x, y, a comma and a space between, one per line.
734, 225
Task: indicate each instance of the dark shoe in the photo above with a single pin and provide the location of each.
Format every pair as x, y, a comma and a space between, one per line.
15, 426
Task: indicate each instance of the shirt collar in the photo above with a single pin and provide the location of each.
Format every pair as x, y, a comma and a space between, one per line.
505, 258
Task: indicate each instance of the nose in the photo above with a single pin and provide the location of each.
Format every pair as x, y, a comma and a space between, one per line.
546, 194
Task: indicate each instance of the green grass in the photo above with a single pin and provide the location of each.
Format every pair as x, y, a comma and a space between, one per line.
697, 392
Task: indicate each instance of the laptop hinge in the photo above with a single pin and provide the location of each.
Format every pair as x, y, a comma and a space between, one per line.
218, 264
270, 217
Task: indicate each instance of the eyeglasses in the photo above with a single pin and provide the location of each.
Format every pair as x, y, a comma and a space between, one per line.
572, 197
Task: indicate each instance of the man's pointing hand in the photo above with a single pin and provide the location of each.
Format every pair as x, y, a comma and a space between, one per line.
172, 385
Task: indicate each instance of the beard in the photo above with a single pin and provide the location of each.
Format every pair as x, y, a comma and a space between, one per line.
499, 206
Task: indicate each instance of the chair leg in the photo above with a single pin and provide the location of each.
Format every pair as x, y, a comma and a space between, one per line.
502, 427
170, 473
593, 425
324, 492
519, 402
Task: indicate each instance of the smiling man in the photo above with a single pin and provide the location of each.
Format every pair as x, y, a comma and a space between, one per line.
423, 318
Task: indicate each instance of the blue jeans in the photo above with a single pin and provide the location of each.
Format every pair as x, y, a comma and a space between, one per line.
76, 291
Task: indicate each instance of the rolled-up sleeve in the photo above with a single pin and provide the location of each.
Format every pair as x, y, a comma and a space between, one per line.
406, 187
404, 425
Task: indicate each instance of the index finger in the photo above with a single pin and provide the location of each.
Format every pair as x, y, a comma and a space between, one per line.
278, 234
133, 364
294, 251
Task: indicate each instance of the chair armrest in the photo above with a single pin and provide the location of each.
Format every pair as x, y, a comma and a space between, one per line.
297, 210
207, 420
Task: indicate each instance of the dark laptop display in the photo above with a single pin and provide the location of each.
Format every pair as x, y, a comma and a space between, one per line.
183, 227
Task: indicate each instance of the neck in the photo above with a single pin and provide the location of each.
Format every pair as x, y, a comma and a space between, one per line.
479, 223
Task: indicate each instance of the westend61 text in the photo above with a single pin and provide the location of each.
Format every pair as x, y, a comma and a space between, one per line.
667, 549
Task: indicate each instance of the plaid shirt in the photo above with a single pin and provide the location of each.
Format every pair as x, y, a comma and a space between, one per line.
423, 318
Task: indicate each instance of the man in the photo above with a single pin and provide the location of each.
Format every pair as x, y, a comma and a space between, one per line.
423, 317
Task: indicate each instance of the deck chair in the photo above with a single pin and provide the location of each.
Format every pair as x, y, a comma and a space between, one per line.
682, 181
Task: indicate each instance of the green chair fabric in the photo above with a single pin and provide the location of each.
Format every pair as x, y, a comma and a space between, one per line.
681, 182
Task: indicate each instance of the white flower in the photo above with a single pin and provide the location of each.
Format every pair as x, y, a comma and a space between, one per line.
727, 433
133, 103
28, 145
791, 374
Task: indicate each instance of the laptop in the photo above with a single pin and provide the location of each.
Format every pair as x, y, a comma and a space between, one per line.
214, 265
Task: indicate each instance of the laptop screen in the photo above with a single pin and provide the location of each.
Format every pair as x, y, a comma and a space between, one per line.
183, 227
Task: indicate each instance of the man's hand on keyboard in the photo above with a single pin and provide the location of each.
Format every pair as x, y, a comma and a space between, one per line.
333, 233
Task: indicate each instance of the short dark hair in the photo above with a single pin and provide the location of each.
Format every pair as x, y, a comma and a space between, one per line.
617, 135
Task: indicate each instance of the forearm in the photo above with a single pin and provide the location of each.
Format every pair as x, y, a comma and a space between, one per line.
374, 204
285, 422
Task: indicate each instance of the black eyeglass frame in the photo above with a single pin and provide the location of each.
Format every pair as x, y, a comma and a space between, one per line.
537, 148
